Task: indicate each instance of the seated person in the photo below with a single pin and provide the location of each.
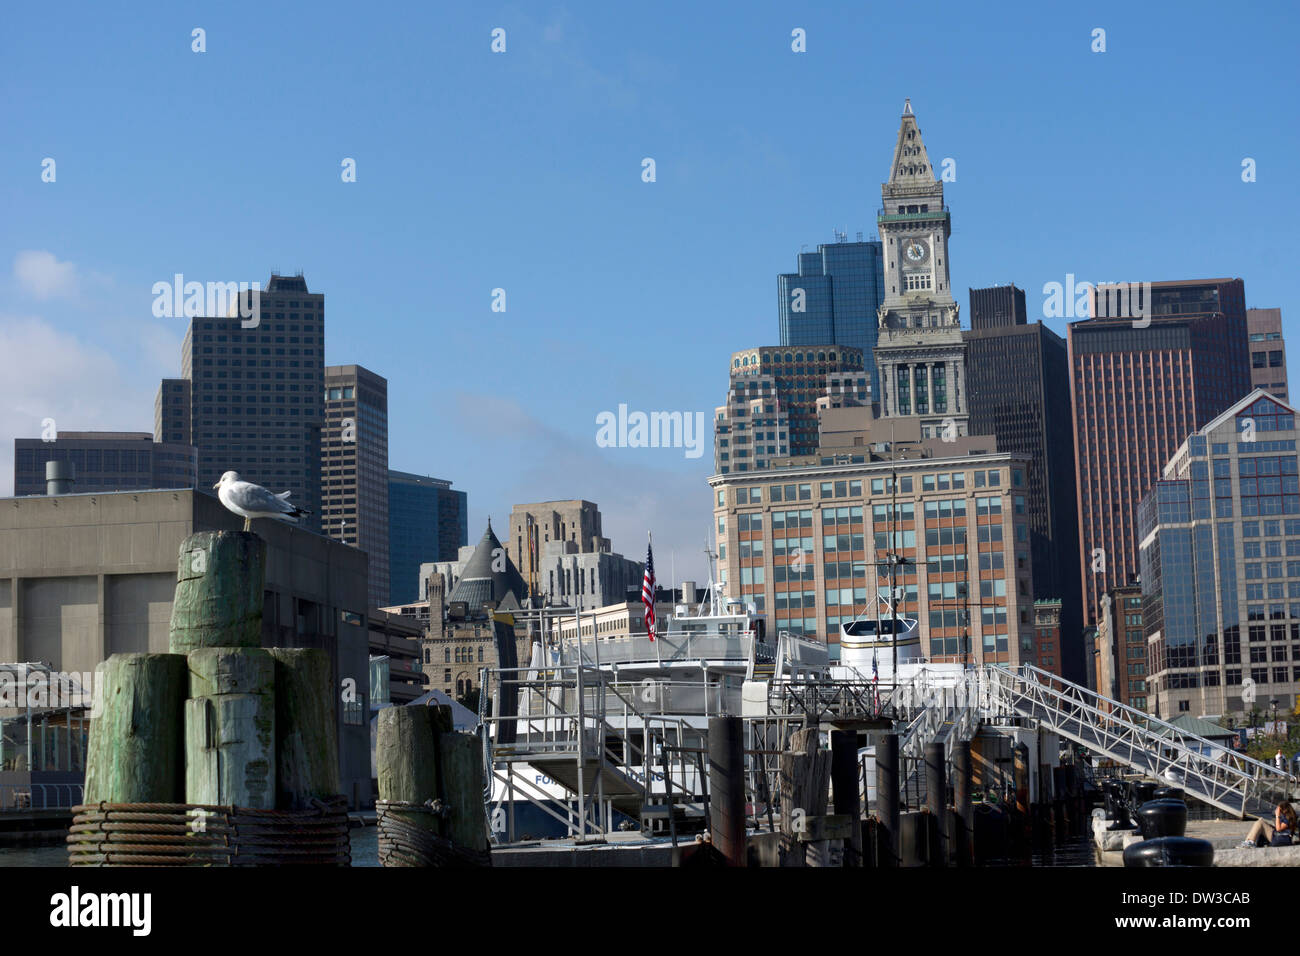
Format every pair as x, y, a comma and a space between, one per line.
1279, 834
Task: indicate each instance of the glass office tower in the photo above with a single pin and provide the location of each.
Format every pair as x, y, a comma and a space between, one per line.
832, 299
1220, 560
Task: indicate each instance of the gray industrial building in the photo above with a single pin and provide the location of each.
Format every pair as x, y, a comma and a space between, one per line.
85, 576
105, 461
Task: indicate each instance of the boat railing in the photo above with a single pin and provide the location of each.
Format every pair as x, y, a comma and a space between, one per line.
668, 648
607, 733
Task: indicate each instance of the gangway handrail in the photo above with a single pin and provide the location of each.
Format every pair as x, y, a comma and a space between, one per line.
1207, 777
1144, 718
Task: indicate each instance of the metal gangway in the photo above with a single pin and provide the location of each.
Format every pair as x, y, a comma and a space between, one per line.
1231, 781
929, 710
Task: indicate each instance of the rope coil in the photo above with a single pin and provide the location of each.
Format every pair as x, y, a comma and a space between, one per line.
408, 838
181, 834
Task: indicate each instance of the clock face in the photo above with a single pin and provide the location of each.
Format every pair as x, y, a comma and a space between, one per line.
915, 250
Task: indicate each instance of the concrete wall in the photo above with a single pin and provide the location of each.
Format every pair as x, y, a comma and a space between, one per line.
85, 576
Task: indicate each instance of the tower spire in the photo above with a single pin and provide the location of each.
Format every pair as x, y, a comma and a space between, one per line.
911, 166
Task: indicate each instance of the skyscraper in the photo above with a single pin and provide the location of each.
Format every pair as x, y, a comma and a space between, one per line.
1140, 385
1267, 351
427, 521
1018, 378
354, 468
921, 355
1221, 565
254, 394
772, 402
832, 299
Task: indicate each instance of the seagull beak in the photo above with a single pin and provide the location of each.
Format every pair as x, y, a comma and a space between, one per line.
217, 485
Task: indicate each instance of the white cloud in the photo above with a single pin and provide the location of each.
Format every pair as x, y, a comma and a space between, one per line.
51, 374
43, 276
538, 462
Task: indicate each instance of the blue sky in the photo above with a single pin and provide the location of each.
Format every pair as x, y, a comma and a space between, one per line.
522, 171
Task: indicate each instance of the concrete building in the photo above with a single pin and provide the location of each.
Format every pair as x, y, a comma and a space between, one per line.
1018, 378
396, 674
920, 353
427, 521
85, 576
354, 468
1221, 565
1047, 651
253, 396
806, 545
563, 556
1140, 384
832, 299
772, 402
105, 461
1267, 352
1122, 647
470, 620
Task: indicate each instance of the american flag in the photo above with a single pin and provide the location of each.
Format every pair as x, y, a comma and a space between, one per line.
648, 591
875, 680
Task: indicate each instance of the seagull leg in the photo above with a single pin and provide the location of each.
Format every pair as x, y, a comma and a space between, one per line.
248, 524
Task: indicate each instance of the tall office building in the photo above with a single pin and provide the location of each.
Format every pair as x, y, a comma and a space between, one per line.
105, 461
427, 521
1140, 385
354, 468
1018, 378
254, 395
1221, 565
804, 544
562, 554
1000, 306
773, 398
832, 299
1267, 351
921, 355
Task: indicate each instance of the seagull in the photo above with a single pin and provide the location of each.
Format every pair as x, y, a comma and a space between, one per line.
253, 501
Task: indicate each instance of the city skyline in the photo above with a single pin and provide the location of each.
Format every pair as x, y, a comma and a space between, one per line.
542, 186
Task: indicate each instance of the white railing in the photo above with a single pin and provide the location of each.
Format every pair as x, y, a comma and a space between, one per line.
1226, 779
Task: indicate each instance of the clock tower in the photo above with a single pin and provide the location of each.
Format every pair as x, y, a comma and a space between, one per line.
920, 351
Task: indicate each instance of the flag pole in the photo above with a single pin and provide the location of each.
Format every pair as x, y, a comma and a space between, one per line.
649, 537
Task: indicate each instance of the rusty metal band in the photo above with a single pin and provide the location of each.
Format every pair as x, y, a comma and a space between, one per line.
176, 834
405, 838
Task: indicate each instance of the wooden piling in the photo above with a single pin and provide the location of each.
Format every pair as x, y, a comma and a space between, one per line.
961, 798
844, 786
135, 753
887, 800
306, 727
727, 789
230, 728
936, 800
805, 792
220, 583
460, 758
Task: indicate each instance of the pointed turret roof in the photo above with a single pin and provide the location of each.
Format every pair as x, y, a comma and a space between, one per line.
490, 577
911, 166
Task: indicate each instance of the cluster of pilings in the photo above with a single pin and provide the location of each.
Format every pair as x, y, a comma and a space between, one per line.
823, 821
430, 807
219, 721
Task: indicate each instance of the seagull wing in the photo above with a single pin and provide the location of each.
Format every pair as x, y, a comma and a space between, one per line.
256, 500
